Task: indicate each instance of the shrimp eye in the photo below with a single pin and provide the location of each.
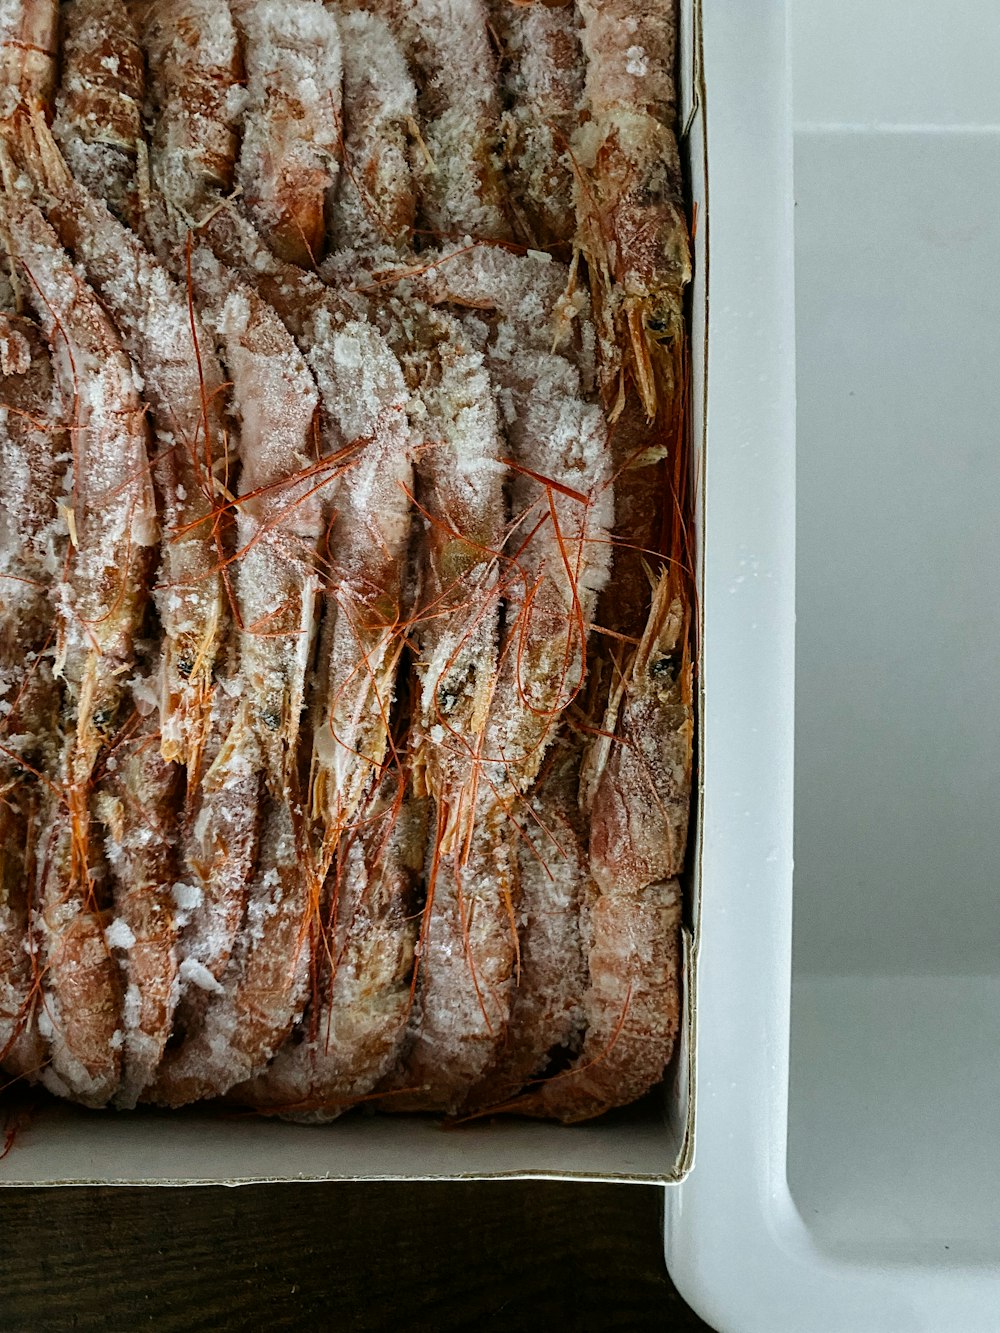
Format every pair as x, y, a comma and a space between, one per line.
665, 668
185, 666
271, 719
656, 325
102, 716
446, 700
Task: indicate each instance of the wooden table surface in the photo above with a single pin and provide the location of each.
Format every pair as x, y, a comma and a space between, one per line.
510, 1256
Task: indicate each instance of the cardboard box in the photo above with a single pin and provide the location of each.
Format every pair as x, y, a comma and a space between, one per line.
651, 1144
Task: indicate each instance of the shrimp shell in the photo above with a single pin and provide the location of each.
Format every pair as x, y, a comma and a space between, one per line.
448, 47
376, 200
542, 74
22, 1049
183, 381
99, 608
138, 803
630, 201
98, 121
290, 154
351, 1038
547, 1012
195, 98
462, 479
28, 46
262, 994
642, 796
466, 960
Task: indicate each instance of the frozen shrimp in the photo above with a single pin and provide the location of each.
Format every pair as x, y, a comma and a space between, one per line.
631, 1005
642, 791
290, 153
547, 1017
138, 802
632, 228
542, 79
462, 475
29, 31
99, 605
261, 995
98, 120
182, 381
466, 961
34, 459
447, 45
376, 199
195, 98
562, 505
350, 1038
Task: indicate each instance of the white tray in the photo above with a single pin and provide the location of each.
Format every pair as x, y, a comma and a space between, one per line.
849, 1178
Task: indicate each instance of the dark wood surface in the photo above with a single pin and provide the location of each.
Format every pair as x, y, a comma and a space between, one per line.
532, 1256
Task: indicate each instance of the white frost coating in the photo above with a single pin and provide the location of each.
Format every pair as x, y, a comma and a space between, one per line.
187, 896
194, 973
119, 935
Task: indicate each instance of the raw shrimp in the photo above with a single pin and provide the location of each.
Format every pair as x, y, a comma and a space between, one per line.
447, 45
562, 504
464, 981
98, 121
263, 992
642, 794
547, 1012
376, 199
34, 458
100, 602
183, 382
280, 512
632, 228
28, 45
195, 98
350, 1039
290, 154
542, 79
462, 478
631, 1005
138, 803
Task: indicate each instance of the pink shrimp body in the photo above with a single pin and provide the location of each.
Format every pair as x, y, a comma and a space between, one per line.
542, 73
290, 153
28, 44
376, 200
98, 121
351, 1037
138, 803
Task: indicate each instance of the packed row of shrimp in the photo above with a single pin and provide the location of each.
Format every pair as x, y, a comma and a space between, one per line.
345, 667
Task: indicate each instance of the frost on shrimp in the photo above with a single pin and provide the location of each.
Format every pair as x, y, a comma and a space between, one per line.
542, 79
28, 45
98, 121
99, 606
562, 503
182, 381
376, 199
362, 637
194, 101
464, 980
251, 1009
34, 457
290, 154
138, 804
449, 51
281, 512
547, 1014
350, 1038
462, 479
630, 202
